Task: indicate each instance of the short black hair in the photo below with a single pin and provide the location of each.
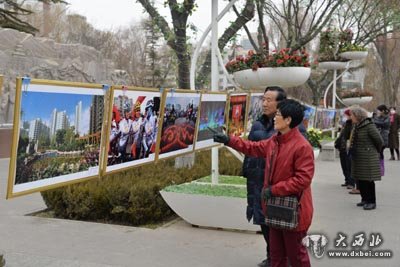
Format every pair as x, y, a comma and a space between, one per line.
281, 93
291, 108
383, 108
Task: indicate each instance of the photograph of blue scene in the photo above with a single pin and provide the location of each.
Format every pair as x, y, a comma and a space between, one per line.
212, 114
59, 134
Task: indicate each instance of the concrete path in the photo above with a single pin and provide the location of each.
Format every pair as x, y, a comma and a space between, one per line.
32, 241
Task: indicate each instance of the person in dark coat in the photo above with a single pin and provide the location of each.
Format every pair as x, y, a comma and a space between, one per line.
394, 133
341, 143
254, 168
382, 122
365, 146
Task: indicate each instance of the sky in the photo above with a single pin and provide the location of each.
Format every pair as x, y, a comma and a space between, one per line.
41, 105
109, 15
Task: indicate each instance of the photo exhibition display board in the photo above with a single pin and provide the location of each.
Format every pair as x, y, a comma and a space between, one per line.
56, 134
237, 114
255, 109
179, 120
309, 116
212, 115
132, 128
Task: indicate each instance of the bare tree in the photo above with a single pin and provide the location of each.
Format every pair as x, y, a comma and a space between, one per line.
14, 15
300, 21
176, 37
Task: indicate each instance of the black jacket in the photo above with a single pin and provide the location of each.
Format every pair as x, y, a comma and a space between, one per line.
253, 170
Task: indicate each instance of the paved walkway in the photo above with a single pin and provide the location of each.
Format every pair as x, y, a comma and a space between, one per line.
32, 241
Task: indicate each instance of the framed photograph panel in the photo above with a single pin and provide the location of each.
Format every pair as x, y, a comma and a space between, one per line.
212, 115
179, 120
255, 109
325, 119
56, 135
133, 127
237, 114
309, 116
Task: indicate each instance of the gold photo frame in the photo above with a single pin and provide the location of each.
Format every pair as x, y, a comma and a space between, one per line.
131, 141
213, 108
47, 151
237, 113
178, 130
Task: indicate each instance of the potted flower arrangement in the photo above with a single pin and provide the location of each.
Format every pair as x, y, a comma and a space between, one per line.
314, 136
356, 97
285, 68
330, 43
351, 50
204, 204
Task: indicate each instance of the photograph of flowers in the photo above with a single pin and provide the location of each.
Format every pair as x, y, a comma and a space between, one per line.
212, 115
255, 109
325, 118
59, 136
179, 123
133, 128
237, 114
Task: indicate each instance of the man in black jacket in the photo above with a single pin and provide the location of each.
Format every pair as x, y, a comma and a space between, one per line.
253, 168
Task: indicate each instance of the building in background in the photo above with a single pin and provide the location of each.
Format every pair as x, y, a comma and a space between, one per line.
37, 129
78, 117
96, 114
59, 120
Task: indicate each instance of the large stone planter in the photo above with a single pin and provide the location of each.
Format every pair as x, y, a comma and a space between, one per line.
210, 211
356, 100
316, 152
332, 65
279, 76
354, 55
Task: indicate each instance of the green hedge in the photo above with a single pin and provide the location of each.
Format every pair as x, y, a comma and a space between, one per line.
132, 197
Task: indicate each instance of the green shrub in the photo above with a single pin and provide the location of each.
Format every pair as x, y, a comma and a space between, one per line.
132, 197
209, 190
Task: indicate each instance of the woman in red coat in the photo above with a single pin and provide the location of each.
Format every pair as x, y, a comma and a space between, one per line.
290, 164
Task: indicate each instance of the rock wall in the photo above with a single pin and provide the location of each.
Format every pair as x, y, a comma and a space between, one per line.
22, 54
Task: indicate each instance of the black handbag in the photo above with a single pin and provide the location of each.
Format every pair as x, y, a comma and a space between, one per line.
281, 212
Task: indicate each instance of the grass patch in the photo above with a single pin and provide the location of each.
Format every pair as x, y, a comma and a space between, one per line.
225, 179
209, 190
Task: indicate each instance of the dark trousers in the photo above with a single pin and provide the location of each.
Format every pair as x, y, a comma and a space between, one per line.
367, 191
287, 245
345, 162
392, 153
265, 232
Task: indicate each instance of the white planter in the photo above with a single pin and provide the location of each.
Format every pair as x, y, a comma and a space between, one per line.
279, 76
354, 55
356, 100
332, 65
210, 211
316, 152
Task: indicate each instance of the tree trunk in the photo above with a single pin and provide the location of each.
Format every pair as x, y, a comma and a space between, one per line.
245, 16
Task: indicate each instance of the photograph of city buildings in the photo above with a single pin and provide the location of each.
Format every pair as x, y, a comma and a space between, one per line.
59, 135
255, 110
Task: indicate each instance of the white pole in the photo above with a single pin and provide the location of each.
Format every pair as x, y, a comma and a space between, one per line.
334, 107
200, 43
214, 81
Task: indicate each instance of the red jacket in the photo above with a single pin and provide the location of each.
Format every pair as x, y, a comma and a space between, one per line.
292, 168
